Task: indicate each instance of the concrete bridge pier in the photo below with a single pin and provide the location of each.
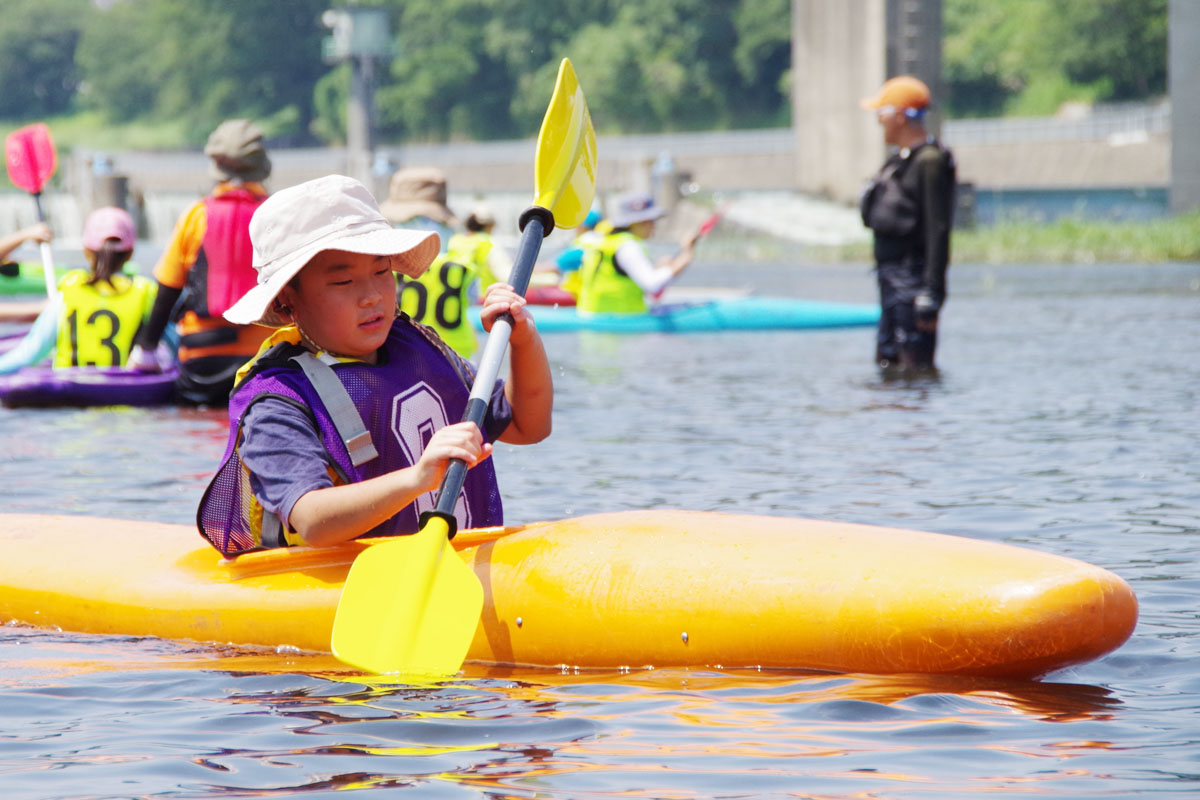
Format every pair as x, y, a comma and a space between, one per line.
1183, 75
842, 50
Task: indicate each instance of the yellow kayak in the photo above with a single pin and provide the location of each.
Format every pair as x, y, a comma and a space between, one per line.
630, 589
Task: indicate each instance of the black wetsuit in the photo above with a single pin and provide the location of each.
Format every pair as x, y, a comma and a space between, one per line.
909, 205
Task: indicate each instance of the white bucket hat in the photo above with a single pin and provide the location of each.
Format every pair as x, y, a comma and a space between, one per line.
635, 207
331, 213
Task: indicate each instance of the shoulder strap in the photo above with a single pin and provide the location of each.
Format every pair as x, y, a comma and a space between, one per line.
341, 408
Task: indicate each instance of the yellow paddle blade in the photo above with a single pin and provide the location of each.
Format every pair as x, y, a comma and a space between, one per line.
410, 606
565, 167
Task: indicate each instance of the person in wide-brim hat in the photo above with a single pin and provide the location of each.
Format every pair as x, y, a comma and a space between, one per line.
331, 213
418, 192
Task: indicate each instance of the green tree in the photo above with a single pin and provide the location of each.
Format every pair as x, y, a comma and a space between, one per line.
763, 56
657, 65
37, 56
207, 60
459, 64
1030, 56
118, 56
1120, 44
329, 105
483, 69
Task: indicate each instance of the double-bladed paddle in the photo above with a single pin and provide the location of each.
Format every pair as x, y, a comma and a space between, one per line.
410, 605
32, 159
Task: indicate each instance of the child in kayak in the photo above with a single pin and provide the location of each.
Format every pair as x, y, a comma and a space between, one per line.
98, 311
14, 275
617, 274
344, 423
457, 278
592, 230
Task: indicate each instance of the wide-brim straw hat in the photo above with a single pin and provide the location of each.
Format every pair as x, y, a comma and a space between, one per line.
418, 192
331, 213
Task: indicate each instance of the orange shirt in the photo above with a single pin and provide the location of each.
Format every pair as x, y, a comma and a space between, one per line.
173, 268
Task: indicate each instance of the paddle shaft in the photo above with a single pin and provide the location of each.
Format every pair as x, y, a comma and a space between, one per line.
47, 255
536, 223
31, 159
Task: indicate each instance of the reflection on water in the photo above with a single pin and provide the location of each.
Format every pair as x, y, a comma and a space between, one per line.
1064, 419
266, 723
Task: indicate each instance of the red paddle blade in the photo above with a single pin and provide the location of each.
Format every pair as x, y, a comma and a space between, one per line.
31, 157
710, 223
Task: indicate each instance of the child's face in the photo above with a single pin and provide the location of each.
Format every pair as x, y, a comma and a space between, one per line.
344, 302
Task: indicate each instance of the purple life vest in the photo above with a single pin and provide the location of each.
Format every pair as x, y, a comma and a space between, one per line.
414, 390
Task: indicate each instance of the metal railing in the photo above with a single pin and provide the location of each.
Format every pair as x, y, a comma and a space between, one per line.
1099, 123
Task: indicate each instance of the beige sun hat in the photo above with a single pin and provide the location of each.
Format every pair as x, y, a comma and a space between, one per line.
330, 213
418, 192
237, 152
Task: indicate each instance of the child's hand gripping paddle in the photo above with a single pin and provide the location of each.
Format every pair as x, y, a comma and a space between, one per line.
410, 605
703, 230
32, 159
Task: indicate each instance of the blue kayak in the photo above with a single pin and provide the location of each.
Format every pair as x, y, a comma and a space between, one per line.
736, 314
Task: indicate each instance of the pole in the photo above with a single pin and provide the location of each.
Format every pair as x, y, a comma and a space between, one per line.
359, 139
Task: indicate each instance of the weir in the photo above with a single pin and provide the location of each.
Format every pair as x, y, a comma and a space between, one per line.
842, 50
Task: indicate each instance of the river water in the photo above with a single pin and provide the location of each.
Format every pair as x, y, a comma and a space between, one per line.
1064, 419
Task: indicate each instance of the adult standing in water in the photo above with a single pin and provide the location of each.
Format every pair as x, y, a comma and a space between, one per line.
208, 264
909, 204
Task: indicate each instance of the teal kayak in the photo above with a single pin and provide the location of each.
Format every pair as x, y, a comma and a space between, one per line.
735, 314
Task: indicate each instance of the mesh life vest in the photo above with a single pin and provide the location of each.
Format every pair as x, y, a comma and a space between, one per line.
224, 269
415, 390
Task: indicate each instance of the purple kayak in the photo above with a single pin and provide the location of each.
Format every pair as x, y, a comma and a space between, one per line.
10, 340
42, 387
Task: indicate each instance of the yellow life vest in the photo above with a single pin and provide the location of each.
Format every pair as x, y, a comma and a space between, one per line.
97, 322
572, 282
439, 299
475, 249
602, 287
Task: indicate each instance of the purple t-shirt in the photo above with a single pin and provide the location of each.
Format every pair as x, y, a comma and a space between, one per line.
286, 458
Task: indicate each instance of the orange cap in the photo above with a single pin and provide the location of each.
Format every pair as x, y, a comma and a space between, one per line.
903, 91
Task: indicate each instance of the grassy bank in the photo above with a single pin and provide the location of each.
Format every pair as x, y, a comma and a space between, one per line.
1062, 241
